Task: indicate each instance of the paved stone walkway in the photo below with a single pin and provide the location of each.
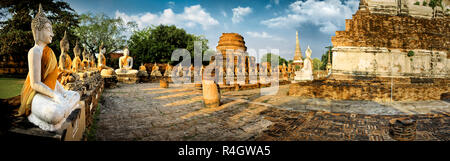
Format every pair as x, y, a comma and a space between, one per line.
147, 112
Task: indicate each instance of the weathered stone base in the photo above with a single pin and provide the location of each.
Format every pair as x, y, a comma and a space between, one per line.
373, 88
127, 78
110, 81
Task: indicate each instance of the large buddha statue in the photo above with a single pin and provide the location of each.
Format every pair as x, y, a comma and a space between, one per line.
306, 73
126, 63
43, 99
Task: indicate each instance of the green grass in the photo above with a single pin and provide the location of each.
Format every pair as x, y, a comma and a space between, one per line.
10, 87
91, 133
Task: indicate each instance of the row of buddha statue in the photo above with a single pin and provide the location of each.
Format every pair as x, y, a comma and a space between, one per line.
44, 100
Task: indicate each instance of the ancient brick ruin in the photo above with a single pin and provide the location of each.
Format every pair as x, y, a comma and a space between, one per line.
390, 51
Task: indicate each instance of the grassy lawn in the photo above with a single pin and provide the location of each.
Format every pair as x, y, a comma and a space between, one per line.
10, 87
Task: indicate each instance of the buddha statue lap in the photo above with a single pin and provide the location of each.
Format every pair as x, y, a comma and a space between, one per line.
43, 99
306, 73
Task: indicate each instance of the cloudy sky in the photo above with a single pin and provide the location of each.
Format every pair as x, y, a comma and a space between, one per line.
264, 24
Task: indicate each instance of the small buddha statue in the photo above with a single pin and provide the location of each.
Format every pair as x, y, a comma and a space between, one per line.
65, 62
91, 60
155, 71
76, 63
179, 71
126, 63
142, 68
85, 65
168, 71
306, 73
43, 99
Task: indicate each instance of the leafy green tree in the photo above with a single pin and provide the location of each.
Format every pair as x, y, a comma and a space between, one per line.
324, 60
267, 57
15, 32
317, 64
100, 28
156, 43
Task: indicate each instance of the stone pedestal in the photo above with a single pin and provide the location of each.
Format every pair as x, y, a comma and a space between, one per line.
127, 76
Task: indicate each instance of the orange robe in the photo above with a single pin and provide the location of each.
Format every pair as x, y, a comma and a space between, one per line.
100, 68
76, 64
124, 61
49, 74
66, 71
84, 64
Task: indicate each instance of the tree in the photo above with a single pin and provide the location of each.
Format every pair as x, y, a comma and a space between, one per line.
324, 60
317, 64
16, 37
100, 28
267, 58
156, 43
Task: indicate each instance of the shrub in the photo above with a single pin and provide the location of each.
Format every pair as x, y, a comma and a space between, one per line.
410, 53
424, 3
417, 3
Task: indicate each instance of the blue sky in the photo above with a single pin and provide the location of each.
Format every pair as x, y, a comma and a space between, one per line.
264, 24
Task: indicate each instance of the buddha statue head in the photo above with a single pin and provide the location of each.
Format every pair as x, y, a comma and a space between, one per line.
126, 52
76, 50
308, 52
64, 44
84, 54
41, 27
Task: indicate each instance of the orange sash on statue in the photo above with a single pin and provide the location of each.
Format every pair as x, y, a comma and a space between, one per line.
68, 62
49, 74
124, 61
76, 64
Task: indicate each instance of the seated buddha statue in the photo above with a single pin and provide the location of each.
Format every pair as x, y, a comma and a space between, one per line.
65, 63
91, 61
76, 63
142, 67
85, 65
104, 70
155, 71
43, 99
306, 73
126, 64
168, 71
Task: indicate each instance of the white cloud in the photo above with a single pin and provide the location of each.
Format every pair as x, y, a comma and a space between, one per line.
263, 35
224, 13
277, 2
239, 13
328, 15
268, 6
171, 4
191, 17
